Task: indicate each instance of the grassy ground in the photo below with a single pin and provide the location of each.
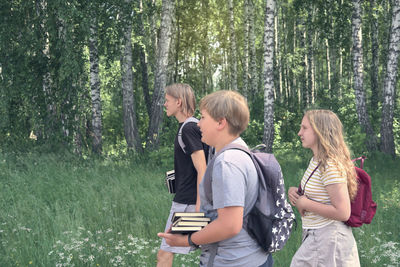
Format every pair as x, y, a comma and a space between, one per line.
60, 211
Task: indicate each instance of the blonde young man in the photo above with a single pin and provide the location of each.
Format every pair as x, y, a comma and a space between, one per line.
234, 183
189, 165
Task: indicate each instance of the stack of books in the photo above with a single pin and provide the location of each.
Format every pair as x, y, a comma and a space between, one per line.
188, 222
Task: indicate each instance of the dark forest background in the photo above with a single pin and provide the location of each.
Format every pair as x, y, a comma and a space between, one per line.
89, 76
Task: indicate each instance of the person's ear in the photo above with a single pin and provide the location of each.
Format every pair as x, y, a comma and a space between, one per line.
222, 123
179, 102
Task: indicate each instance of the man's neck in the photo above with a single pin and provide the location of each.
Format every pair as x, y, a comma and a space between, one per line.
181, 117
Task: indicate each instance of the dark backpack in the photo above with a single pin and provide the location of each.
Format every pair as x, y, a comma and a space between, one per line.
271, 219
363, 208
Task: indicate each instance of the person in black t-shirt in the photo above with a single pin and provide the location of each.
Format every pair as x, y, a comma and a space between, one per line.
189, 165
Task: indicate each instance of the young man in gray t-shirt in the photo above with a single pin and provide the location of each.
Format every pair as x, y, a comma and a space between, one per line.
233, 190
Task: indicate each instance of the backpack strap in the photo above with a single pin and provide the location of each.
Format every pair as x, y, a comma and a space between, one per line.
301, 191
207, 181
180, 140
258, 169
362, 158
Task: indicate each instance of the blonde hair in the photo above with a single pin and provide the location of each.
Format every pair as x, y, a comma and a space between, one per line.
184, 92
229, 105
332, 146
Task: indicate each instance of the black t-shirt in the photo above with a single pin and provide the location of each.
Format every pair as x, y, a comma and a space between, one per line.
185, 172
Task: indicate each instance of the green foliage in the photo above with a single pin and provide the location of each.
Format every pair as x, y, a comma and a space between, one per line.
162, 157
44, 69
60, 210
253, 135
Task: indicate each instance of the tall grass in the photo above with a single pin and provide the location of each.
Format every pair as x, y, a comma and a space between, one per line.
57, 210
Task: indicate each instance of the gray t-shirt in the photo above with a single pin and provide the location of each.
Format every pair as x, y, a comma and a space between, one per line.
234, 183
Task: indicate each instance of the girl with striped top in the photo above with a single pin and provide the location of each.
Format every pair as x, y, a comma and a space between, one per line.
324, 195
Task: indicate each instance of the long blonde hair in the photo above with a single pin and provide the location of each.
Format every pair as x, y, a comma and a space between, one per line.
332, 146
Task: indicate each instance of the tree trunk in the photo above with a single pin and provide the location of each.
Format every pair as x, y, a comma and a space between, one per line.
328, 66
310, 59
303, 76
268, 137
358, 69
278, 63
41, 9
375, 60
246, 42
233, 64
143, 64
160, 74
178, 42
95, 87
131, 131
389, 89
253, 82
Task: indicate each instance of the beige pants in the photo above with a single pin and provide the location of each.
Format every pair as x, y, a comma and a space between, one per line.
332, 245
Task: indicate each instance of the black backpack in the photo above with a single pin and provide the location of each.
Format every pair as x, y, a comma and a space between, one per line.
271, 219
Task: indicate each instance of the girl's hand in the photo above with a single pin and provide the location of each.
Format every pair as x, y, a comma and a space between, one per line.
293, 195
175, 240
301, 204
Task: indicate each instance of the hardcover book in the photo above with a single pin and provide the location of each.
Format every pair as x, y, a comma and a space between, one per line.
188, 222
187, 214
185, 229
170, 181
180, 222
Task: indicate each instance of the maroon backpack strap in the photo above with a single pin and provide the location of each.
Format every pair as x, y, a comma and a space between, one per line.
362, 158
301, 191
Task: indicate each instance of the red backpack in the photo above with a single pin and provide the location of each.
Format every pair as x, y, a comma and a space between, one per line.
363, 208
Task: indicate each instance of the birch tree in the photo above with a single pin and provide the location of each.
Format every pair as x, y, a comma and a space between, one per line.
268, 74
253, 82
358, 69
389, 89
95, 86
233, 64
160, 74
246, 48
131, 131
143, 60
41, 6
310, 59
374, 70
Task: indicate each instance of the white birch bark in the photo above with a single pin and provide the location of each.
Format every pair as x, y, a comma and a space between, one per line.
160, 74
268, 74
95, 87
389, 89
358, 69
